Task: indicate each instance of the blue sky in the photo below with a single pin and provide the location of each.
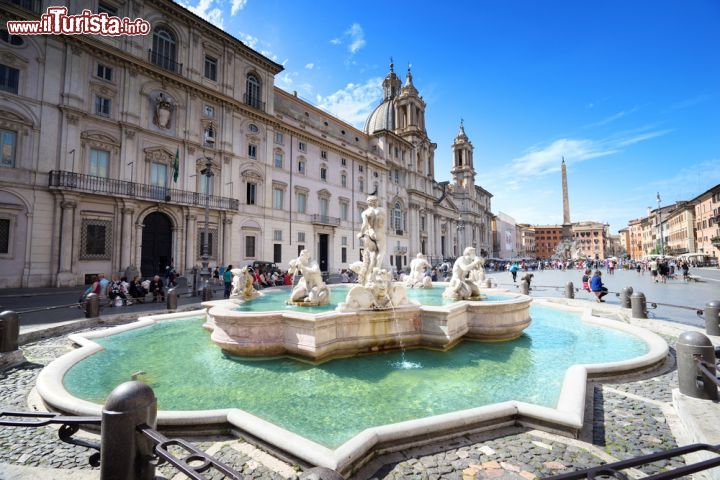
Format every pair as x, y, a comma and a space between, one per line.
627, 91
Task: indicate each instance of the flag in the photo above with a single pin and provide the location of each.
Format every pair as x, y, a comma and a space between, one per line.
176, 165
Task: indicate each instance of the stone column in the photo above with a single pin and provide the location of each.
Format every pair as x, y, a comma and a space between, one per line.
127, 235
65, 275
227, 241
138, 245
175, 247
190, 242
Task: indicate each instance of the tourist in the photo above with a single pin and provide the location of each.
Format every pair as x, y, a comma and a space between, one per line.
586, 280
104, 282
638, 267
227, 279
116, 290
597, 286
288, 278
137, 291
513, 271
157, 288
216, 276
653, 266
685, 270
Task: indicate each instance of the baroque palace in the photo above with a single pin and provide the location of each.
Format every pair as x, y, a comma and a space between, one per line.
92, 129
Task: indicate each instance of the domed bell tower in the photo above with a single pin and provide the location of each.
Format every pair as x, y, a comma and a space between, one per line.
463, 171
410, 108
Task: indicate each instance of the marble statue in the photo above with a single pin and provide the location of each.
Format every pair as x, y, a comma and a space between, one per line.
373, 233
242, 284
464, 273
310, 290
417, 277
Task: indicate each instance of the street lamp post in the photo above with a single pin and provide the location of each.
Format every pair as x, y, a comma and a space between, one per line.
205, 270
662, 246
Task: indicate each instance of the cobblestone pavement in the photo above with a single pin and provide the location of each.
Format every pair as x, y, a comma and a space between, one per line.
626, 419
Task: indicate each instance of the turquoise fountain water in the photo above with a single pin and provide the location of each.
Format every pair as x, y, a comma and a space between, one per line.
332, 402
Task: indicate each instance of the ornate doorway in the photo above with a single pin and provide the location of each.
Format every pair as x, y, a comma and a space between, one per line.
156, 244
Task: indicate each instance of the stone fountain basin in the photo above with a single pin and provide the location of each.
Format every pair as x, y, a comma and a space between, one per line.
322, 336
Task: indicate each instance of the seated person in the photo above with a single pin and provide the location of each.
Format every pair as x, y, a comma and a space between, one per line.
116, 289
137, 291
157, 287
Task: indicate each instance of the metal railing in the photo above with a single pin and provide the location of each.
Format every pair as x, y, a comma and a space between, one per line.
165, 62
708, 369
122, 188
325, 220
31, 5
253, 101
614, 469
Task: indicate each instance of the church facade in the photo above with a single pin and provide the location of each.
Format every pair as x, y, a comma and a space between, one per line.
114, 148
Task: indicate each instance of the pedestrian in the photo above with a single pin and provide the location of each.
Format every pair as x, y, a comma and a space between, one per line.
586, 280
227, 279
597, 286
653, 266
216, 276
513, 271
116, 290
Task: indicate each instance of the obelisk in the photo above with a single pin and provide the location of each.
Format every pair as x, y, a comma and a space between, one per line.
566, 225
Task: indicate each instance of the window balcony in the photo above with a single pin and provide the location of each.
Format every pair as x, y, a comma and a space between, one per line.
30, 5
120, 188
164, 62
325, 220
253, 102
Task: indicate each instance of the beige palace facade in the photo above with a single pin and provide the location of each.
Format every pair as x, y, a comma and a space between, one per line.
92, 129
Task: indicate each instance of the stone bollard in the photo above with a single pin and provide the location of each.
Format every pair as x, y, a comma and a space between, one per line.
692, 381
9, 331
171, 299
524, 287
638, 305
206, 293
625, 295
126, 453
569, 290
92, 306
321, 473
487, 283
195, 281
712, 318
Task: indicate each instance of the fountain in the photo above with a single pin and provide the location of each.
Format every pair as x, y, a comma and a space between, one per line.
417, 277
465, 282
310, 291
242, 285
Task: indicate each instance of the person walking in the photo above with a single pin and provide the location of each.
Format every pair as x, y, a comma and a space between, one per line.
597, 286
227, 279
513, 271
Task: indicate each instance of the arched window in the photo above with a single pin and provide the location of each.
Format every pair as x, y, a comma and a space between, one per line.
164, 51
397, 216
252, 91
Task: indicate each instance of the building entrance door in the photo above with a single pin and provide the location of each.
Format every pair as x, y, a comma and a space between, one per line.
156, 251
323, 252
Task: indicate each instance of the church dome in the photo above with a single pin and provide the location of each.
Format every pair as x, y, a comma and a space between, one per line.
382, 118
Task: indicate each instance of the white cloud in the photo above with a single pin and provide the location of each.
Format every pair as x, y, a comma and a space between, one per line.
612, 118
354, 36
541, 161
237, 5
353, 103
248, 39
203, 10
310, 66
642, 137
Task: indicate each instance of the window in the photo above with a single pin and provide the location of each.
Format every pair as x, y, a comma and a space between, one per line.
343, 254
396, 175
323, 154
278, 198
344, 211
361, 185
301, 237
302, 147
277, 252
301, 166
252, 151
278, 160
250, 193
4, 236
206, 185
99, 161
279, 138
111, 10
95, 239
360, 168
211, 68
163, 53
343, 162
397, 217
397, 151
277, 235
324, 207
9, 79
212, 242
343, 180
250, 246
253, 128
11, 39
8, 139
209, 111
301, 202
209, 136
343, 241
158, 174
323, 174
252, 91
102, 106
300, 249
104, 72
422, 223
